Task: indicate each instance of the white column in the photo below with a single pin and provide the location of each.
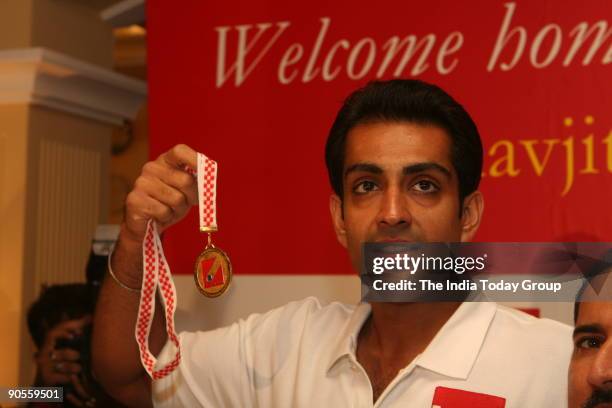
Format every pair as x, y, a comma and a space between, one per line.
57, 115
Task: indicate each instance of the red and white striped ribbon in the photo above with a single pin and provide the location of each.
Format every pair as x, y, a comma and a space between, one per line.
207, 193
156, 275
156, 272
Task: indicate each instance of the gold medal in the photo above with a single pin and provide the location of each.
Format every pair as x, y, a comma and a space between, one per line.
213, 270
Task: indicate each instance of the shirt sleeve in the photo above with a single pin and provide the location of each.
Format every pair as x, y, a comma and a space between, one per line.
230, 366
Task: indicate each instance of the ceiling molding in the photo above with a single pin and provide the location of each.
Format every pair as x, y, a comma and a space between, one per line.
47, 78
125, 13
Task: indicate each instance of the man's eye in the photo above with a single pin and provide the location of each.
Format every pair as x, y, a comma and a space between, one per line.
365, 187
425, 186
589, 343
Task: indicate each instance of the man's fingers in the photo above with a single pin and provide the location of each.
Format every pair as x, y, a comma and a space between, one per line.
82, 391
79, 388
180, 156
179, 179
75, 325
66, 367
164, 193
67, 330
56, 379
59, 333
66, 354
74, 400
142, 207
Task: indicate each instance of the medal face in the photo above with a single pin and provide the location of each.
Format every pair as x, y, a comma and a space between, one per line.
213, 272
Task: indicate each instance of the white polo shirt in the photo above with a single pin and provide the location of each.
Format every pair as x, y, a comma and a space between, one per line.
303, 355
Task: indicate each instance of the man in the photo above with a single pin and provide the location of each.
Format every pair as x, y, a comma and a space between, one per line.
404, 160
590, 372
59, 322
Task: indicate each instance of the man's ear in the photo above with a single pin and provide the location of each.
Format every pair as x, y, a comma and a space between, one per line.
471, 215
335, 208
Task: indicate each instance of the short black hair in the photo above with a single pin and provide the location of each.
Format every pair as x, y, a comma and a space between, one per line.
408, 100
599, 268
58, 303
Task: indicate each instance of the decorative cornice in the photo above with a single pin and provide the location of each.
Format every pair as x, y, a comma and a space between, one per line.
47, 78
125, 13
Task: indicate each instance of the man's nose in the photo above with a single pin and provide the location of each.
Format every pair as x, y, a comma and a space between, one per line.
393, 211
600, 375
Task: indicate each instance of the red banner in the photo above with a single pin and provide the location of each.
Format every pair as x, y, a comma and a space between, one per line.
256, 86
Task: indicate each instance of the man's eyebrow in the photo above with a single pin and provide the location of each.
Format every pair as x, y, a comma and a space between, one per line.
589, 328
420, 167
407, 170
365, 167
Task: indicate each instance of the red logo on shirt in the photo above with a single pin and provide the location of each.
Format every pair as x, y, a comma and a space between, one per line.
453, 398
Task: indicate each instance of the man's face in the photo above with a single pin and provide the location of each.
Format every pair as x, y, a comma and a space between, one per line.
400, 185
590, 374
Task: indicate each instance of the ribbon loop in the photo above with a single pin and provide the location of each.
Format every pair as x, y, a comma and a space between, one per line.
156, 276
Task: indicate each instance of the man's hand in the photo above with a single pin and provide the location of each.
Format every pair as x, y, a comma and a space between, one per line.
80, 397
55, 366
164, 192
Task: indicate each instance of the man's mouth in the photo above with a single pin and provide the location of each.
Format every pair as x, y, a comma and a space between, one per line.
393, 240
397, 245
599, 399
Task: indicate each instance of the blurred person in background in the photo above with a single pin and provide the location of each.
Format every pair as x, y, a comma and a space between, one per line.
60, 325
59, 322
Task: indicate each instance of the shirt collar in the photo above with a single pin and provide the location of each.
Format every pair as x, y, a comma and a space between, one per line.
452, 352
346, 345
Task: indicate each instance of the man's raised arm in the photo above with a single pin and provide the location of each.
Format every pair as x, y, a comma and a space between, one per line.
164, 192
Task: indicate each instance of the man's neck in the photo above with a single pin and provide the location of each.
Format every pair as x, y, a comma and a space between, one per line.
394, 334
396, 329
